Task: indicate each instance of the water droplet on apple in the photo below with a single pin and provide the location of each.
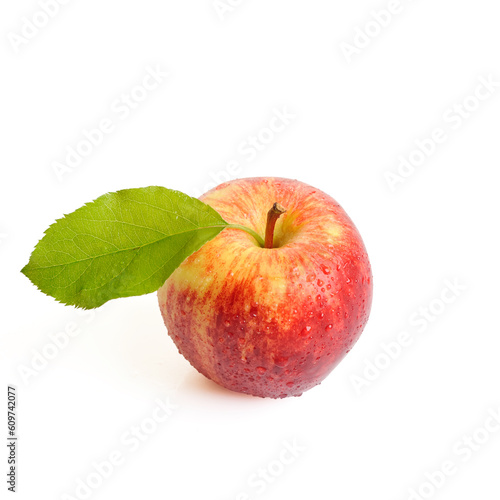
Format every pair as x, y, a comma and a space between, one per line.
329, 327
320, 283
289, 384
261, 370
227, 323
280, 361
325, 269
310, 277
305, 331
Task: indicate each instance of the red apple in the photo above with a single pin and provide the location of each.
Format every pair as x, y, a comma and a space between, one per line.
271, 322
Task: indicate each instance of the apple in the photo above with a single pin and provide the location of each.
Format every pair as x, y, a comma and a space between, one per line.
271, 321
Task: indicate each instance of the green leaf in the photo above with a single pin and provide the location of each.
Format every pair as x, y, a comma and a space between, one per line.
122, 244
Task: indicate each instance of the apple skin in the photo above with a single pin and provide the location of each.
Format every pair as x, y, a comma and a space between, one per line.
271, 322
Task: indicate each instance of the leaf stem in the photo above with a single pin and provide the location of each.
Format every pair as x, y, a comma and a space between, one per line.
260, 241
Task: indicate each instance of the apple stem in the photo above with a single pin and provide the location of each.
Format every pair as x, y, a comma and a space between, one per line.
272, 216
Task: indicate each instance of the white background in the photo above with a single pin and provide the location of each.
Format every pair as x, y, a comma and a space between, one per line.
352, 122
